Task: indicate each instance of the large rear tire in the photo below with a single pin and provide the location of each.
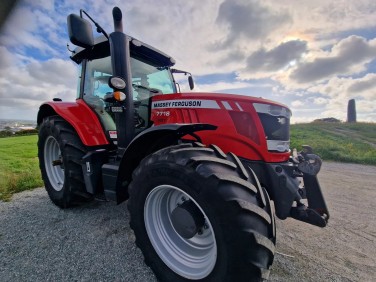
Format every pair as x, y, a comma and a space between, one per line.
60, 151
226, 227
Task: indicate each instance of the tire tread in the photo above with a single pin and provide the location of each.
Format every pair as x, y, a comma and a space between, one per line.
74, 191
230, 204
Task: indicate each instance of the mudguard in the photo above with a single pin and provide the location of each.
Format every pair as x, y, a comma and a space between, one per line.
79, 115
147, 142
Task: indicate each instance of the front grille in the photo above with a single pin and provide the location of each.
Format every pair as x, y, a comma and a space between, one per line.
276, 123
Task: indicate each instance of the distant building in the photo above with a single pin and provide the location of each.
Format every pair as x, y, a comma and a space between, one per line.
331, 119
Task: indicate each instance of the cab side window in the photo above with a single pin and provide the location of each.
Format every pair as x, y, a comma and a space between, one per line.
97, 73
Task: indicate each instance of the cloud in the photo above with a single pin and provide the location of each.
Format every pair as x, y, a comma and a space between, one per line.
225, 86
41, 4
24, 86
344, 88
347, 56
365, 84
6, 58
235, 55
320, 101
56, 71
249, 19
338, 91
297, 103
276, 58
34, 26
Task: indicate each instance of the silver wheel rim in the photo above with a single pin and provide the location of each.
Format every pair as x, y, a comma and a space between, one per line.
55, 173
192, 258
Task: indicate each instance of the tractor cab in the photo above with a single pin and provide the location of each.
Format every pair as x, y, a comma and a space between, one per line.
151, 75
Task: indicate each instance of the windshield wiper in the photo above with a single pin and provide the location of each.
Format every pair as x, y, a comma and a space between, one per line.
152, 90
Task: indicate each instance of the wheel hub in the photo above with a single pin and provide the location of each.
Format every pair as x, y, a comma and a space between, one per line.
54, 163
193, 258
187, 219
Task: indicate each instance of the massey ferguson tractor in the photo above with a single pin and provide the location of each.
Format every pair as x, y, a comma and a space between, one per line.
199, 170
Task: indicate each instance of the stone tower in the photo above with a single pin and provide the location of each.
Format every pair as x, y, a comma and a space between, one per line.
351, 111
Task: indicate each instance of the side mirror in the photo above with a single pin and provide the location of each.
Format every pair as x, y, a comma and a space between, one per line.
80, 31
191, 83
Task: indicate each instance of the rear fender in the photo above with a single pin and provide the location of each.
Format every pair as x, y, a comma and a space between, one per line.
148, 142
80, 116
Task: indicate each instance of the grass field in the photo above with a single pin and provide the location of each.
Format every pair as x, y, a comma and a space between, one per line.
355, 143
340, 142
19, 168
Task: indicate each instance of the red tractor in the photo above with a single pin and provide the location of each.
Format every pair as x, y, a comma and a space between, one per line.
199, 170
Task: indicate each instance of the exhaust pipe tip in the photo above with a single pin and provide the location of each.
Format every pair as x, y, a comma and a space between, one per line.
117, 15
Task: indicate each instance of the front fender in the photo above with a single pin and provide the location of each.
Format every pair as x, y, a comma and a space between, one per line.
148, 142
79, 115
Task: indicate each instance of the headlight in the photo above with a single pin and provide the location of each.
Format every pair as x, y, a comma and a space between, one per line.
117, 83
276, 123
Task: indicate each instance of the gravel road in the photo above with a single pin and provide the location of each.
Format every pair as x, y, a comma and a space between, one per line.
40, 242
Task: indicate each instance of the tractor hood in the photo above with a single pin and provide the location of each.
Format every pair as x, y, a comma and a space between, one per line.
258, 125
231, 102
234, 98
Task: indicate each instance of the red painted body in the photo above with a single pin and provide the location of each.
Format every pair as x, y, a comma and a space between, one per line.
239, 128
81, 117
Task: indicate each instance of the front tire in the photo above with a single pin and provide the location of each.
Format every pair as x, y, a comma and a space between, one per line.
60, 151
233, 237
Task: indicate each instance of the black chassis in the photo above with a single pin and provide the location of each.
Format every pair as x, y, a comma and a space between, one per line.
288, 186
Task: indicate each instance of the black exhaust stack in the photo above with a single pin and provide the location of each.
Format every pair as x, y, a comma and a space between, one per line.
117, 15
120, 58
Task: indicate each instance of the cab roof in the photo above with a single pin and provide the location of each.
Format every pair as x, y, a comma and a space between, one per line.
137, 48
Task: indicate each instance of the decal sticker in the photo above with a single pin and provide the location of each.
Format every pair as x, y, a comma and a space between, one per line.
116, 109
240, 108
113, 134
226, 105
163, 113
186, 103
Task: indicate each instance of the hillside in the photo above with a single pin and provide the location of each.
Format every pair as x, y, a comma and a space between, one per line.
340, 142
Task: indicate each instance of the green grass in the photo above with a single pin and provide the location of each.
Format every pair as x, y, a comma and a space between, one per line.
341, 142
19, 167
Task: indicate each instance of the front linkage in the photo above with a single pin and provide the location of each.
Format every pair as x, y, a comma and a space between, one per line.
317, 212
290, 183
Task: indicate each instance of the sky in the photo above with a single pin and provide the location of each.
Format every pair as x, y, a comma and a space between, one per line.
312, 56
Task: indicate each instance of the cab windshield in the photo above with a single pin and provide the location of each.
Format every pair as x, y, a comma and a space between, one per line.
147, 80
144, 76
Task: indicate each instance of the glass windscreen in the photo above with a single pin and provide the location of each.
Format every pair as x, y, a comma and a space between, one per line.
144, 77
